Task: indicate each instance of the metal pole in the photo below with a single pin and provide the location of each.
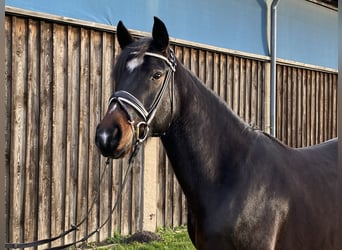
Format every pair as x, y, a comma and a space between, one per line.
273, 86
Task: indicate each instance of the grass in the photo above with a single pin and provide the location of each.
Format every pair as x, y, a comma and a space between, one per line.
172, 239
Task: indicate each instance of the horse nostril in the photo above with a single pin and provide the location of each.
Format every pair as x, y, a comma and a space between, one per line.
116, 133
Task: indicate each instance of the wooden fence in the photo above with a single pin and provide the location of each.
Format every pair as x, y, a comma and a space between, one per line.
306, 105
59, 79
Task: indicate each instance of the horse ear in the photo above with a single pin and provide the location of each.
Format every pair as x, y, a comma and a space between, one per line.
124, 37
159, 34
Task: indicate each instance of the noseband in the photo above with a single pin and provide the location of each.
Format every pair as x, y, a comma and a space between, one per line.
124, 98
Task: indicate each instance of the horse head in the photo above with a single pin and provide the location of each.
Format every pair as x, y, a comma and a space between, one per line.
140, 106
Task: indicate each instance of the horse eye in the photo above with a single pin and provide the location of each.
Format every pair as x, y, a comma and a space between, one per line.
156, 75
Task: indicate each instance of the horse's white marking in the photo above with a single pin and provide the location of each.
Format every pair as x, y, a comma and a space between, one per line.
134, 63
112, 108
104, 136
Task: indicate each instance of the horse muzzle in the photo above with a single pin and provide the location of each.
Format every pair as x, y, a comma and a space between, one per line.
114, 135
107, 141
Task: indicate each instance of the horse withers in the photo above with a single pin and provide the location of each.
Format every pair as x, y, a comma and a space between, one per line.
244, 188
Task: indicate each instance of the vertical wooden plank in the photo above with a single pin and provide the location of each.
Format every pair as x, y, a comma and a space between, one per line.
283, 112
299, 108
304, 106
134, 220
254, 95
242, 88
107, 89
316, 104
18, 127
83, 140
151, 162
95, 103
223, 76
230, 80
177, 203
184, 210
126, 207
321, 106
194, 62
313, 109
179, 53
58, 130
326, 106
216, 73
116, 200
293, 111
236, 85
289, 104
209, 75
280, 106
310, 106
334, 105
329, 99
177, 219
202, 65
280, 103
45, 135
186, 58
248, 72
284, 105
133, 202
329, 115
116, 168
161, 190
8, 95
73, 114
169, 195
32, 149
262, 92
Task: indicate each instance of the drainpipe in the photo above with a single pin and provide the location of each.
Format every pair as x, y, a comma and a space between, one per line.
273, 86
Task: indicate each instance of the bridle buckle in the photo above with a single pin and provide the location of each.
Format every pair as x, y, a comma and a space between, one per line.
141, 131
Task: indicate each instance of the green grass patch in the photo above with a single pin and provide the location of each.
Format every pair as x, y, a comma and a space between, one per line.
171, 239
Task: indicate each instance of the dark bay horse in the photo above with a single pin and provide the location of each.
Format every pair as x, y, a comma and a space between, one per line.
245, 189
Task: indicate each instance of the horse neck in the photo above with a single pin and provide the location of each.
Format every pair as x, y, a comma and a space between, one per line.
205, 139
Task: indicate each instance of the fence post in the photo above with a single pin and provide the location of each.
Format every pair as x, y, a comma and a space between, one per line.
3, 229
149, 193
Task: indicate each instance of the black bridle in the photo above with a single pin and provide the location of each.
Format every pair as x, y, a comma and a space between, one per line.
141, 129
